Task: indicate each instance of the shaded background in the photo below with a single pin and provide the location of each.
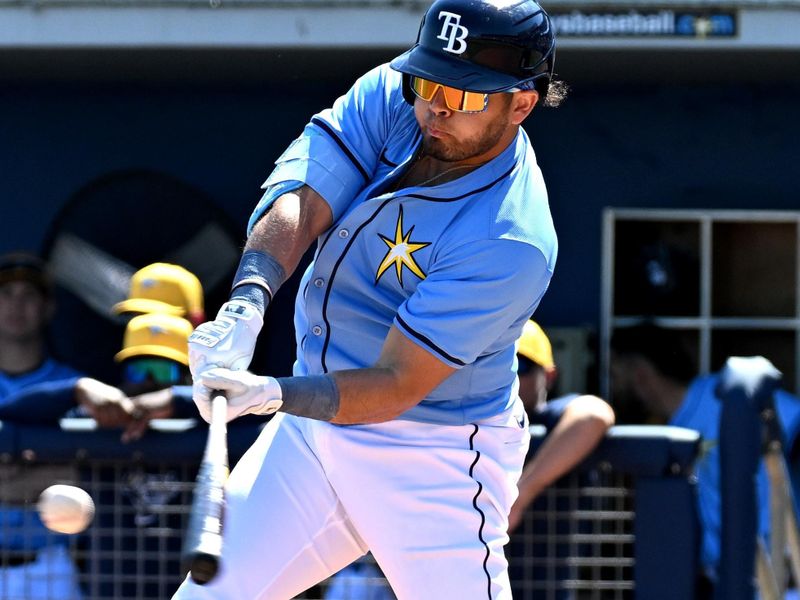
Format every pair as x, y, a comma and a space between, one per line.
648, 129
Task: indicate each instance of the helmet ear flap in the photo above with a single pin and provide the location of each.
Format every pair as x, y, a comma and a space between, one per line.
408, 93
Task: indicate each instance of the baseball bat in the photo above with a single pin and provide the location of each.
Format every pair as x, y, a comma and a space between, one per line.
202, 548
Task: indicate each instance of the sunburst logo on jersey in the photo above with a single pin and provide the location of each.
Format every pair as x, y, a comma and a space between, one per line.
400, 253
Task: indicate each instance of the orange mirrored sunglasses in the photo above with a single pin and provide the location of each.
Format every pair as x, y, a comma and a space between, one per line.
455, 99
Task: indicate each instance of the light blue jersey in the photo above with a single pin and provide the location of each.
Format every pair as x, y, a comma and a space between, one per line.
458, 267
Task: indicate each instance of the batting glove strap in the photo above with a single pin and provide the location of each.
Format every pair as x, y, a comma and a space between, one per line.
315, 397
257, 279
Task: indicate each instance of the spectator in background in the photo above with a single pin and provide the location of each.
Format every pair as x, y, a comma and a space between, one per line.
35, 563
575, 423
158, 288
26, 307
155, 383
164, 288
154, 374
168, 289
155, 370
36, 389
650, 365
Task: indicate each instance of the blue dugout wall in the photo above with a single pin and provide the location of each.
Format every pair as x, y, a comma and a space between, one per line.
690, 145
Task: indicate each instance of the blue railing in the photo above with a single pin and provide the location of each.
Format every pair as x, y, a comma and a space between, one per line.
621, 526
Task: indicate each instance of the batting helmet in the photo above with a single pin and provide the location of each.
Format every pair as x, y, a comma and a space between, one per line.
482, 46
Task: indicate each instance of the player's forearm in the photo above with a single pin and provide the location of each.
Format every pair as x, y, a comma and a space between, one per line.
40, 403
357, 396
583, 425
402, 377
290, 226
276, 244
373, 395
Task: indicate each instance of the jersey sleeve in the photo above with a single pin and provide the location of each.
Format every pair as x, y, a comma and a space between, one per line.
472, 300
338, 150
551, 412
44, 402
788, 407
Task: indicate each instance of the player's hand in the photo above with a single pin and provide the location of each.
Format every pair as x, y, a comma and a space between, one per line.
148, 406
107, 405
248, 394
515, 516
227, 341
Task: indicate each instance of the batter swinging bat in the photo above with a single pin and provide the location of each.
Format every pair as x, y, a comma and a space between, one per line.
202, 549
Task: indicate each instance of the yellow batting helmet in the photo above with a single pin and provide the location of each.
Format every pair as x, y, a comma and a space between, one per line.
157, 334
534, 345
164, 288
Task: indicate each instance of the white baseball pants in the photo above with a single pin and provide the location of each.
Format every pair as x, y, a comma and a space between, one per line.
430, 501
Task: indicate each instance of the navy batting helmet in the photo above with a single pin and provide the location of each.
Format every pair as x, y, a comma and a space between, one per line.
482, 46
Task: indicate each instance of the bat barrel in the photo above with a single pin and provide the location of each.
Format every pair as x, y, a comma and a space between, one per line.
203, 542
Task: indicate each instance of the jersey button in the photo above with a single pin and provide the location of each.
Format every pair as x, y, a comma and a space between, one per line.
344, 234
319, 282
316, 330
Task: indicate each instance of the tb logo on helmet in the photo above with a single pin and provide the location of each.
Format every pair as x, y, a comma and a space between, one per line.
450, 32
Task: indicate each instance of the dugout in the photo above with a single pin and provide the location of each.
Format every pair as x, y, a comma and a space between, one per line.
614, 541
673, 105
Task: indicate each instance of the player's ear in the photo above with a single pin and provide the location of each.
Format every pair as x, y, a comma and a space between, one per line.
551, 375
522, 104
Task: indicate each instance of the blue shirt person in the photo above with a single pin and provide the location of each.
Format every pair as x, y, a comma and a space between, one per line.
650, 366
26, 307
32, 552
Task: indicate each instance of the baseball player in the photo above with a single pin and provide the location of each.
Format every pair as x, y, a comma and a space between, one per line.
401, 431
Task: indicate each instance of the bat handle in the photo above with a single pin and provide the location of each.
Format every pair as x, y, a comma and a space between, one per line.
217, 429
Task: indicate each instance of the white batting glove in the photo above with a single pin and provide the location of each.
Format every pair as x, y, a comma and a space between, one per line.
248, 394
228, 341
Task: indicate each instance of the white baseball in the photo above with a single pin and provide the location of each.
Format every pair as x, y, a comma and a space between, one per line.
65, 508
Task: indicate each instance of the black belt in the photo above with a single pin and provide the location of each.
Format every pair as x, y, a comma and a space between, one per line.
16, 559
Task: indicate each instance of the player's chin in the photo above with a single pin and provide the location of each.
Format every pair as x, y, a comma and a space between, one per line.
440, 150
